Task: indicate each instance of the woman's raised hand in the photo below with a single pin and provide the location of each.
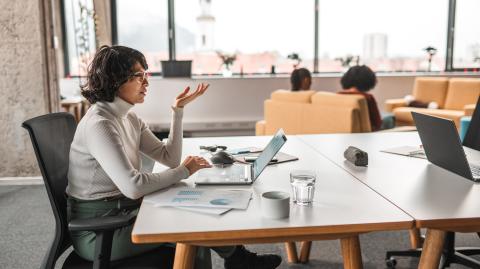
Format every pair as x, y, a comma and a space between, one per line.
185, 97
195, 163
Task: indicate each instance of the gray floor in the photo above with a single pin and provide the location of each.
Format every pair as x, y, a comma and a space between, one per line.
27, 227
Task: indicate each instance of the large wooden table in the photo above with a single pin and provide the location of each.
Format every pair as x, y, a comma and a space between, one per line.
436, 198
343, 208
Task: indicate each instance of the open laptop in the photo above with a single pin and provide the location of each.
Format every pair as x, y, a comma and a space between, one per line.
239, 173
443, 147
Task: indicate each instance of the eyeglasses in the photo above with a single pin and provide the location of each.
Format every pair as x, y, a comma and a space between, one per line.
142, 75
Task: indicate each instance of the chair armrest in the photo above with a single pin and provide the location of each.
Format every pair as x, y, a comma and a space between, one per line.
391, 104
101, 223
260, 127
469, 109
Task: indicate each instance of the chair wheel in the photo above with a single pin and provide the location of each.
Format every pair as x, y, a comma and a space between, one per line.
391, 263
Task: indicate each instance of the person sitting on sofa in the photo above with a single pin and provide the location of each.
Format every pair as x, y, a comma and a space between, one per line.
301, 80
359, 80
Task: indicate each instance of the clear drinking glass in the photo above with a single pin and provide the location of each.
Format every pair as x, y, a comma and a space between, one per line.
303, 186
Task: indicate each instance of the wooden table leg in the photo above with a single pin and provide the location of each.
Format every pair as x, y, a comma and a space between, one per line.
77, 111
305, 248
415, 238
291, 249
184, 256
352, 255
432, 249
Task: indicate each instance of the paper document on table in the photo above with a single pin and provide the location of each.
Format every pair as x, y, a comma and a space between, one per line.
410, 151
194, 197
206, 210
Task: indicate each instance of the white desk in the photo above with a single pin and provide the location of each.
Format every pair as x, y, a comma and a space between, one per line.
436, 198
343, 208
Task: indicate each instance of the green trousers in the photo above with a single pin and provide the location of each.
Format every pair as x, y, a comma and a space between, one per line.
122, 245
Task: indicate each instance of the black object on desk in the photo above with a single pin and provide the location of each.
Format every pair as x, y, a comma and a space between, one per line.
356, 156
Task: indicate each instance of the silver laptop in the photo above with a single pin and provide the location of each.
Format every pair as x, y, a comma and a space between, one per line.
239, 173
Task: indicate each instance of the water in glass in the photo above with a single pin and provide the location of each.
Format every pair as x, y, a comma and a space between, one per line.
303, 186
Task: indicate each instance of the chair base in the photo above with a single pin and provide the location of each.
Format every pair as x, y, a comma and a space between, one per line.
162, 257
450, 254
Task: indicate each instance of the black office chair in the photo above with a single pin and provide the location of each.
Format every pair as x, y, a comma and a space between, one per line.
450, 253
51, 137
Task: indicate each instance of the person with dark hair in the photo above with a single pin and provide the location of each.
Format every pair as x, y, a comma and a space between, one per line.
301, 80
359, 80
104, 175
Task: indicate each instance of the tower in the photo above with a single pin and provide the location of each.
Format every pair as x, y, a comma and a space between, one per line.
375, 46
206, 22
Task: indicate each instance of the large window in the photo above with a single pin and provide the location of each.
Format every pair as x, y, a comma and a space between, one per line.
79, 25
143, 25
386, 35
466, 46
261, 37
259, 34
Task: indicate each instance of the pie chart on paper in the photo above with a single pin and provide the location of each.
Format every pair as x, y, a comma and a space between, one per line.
220, 202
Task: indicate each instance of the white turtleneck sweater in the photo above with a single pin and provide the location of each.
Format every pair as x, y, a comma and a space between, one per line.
105, 154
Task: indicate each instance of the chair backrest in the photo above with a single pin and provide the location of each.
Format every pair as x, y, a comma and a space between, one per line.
461, 92
472, 137
360, 117
311, 112
428, 89
51, 137
292, 97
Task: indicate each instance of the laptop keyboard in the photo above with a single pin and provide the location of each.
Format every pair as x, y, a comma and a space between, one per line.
475, 170
227, 174
236, 173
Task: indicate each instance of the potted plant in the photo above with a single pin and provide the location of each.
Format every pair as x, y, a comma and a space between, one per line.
227, 62
294, 56
430, 51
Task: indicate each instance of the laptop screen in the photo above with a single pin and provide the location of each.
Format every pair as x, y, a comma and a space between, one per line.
268, 153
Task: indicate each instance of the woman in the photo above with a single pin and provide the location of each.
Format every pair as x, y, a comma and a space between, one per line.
301, 80
359, 80
104, 175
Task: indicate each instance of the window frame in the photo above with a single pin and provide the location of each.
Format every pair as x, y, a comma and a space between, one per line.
172, 51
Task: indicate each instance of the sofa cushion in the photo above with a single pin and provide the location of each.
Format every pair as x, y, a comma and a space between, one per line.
356, 101
461, 92
431, 90
293, 97
404, 114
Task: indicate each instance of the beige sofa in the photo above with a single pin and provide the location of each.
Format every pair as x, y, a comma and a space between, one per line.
456, 98
310, 112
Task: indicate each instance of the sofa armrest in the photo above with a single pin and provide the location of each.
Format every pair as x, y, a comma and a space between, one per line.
260, 127
469, 109
391, 104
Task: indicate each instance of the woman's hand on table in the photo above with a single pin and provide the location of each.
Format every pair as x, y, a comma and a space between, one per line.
195, 163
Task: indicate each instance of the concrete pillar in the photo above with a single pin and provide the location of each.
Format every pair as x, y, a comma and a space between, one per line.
28, 85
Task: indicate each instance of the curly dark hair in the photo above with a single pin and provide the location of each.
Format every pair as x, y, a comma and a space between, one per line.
360, 77
110, 68
297, 76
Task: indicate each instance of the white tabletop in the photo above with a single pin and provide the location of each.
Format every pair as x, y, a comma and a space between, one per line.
430, 194
342, 204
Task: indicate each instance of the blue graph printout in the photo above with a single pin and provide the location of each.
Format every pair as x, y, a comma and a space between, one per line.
208, 198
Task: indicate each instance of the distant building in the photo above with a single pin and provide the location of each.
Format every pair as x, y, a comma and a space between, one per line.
206, 22
473, 53
375, 46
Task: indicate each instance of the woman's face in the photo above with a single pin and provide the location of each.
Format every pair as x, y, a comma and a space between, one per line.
134, 90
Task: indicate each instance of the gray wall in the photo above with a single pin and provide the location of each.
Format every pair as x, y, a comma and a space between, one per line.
22, 92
